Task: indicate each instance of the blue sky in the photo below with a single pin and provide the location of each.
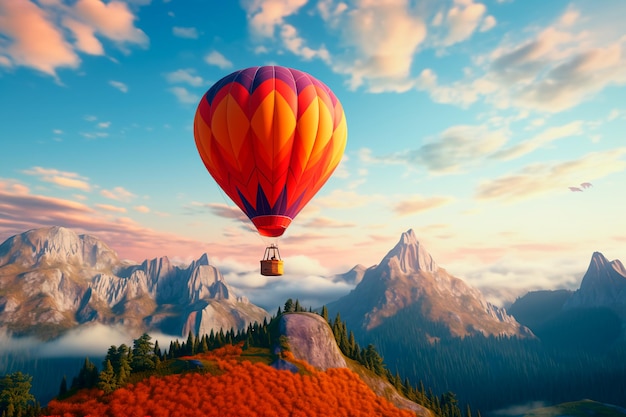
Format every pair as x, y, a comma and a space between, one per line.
468, 122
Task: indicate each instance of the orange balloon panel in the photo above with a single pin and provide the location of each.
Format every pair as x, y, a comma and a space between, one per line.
270, 137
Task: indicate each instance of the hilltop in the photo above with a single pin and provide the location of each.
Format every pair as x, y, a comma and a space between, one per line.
289, 366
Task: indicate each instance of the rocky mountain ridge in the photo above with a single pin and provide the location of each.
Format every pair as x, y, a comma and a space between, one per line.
408, 277
592, 316
52, 279
603, 285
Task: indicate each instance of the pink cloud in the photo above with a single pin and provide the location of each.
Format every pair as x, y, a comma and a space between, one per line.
114, 20
48, 35
34, 41
61, 178
21, 211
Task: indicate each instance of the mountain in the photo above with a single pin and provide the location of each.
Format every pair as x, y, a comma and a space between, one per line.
353, 276
593, 317
603, 285
53, 280
409, 282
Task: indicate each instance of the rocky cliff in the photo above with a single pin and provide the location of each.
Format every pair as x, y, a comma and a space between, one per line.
52, 279
311, 339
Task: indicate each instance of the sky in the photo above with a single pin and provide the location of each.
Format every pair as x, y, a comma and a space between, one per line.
468, 122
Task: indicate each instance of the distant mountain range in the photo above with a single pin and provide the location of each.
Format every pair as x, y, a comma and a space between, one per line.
409, 282
592, 317
52, 280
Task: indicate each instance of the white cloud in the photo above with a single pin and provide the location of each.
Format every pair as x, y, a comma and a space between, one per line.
542, 178
119, 85
552, 69
462, 20
488, 24
217, 59
295, 44
187, 76
185, 32
265, 15
549, 135
383, 38
454, 149
184, 96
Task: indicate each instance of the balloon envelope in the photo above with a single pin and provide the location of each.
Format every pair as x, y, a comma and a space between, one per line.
271, 137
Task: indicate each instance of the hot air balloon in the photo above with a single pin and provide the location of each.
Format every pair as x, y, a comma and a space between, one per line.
271, 137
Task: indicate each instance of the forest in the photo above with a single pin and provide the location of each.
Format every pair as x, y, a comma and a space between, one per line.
213, 373
490, 373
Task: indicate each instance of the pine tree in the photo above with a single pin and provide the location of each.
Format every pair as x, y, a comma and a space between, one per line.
143, 354
107, 380
63, 386
157, 350
289, 306
124, 368
325, 313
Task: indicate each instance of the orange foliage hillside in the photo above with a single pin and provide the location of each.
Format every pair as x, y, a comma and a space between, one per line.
241, 389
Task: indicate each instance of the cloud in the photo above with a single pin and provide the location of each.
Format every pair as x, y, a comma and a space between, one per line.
217, 59
185, 32
60, 178
109, 207
142, 209
23, 211
542, 178
264, 16
33, 40
119, 85
112, 20
49, 35
339, 198
184, 96
454, 149
186, 76
488, 24
553, 69
419, 204
118, 193
381, 39
325, 222
86, 40
574, 128
295, 44
462, 20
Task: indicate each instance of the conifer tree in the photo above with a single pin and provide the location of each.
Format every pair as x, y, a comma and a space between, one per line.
143, 354
107, 381
324, 313
124, 368
63, 386
289, 305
